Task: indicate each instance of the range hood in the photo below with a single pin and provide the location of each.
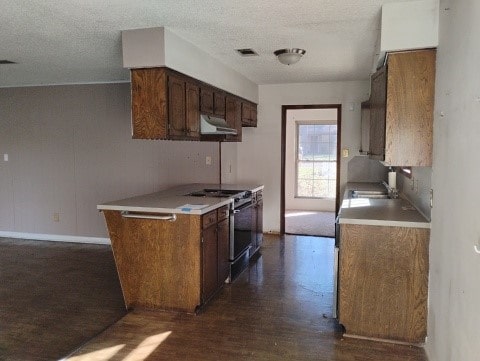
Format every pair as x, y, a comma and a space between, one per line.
213, 125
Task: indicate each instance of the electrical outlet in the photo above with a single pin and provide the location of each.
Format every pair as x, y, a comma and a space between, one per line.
56, 217
5, 157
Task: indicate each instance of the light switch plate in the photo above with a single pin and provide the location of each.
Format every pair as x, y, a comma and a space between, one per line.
5, 157
345, 152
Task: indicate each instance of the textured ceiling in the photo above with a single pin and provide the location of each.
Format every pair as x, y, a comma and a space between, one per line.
71, 41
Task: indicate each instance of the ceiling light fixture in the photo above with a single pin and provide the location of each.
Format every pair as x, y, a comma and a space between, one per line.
289, 56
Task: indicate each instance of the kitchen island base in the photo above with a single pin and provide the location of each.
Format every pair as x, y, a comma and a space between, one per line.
158, 261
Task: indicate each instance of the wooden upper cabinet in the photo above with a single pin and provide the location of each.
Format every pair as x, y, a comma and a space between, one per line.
149, 103
253, 115
377, 115
192, 121
167, 105
176, 106
219, 104
249, 114
212, 102
407, 117
233, 117
206, 100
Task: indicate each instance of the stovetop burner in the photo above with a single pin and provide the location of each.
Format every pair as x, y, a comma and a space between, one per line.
216, 193
238, 195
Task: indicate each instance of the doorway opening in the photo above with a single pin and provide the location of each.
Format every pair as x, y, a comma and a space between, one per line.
310, 179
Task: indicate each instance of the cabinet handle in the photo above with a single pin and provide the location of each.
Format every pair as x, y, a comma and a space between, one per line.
170, 217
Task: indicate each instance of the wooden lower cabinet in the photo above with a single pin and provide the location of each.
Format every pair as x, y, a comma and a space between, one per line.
170, 265
215, 249
209, 262
383, 282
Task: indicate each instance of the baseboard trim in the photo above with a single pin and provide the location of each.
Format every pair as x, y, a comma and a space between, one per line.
383, 340
55, 237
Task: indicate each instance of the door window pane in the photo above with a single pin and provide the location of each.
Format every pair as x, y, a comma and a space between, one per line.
316, 160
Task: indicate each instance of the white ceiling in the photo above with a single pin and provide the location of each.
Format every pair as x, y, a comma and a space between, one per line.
71, 41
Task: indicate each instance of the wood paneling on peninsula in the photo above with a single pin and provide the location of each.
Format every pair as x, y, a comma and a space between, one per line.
158, 262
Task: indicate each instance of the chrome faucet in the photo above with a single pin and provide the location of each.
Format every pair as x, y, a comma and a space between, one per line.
392, 192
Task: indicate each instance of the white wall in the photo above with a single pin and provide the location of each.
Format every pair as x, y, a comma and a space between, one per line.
259, 153
454, 300
70, 148
303, 115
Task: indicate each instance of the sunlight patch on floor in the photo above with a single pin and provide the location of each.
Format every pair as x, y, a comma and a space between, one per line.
140, 353
100, 355
147, 347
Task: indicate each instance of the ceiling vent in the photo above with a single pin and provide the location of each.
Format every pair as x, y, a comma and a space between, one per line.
246, 52
7, 62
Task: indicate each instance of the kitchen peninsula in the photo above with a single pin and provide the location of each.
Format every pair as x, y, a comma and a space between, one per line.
383, 266
174, 249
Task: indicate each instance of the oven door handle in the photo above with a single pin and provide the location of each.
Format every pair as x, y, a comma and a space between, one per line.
245, 206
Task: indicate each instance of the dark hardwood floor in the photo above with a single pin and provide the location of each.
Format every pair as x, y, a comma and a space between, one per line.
278, 309
54, 297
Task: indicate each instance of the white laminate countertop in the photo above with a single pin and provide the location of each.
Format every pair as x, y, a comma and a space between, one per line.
175, 200
379, 212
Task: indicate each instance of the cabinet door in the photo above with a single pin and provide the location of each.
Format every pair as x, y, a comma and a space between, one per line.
206, 101
192, 110
365, 128
377, 114
383, 280
210, 262
149, 103
223, 250
176, 106
219, 104
253, 115
245, 114
233, 116
409, 110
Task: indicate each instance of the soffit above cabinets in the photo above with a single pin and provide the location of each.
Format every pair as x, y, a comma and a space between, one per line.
80, 42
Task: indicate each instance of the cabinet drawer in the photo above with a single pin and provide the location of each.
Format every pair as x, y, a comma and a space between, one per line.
209, 219
222, 212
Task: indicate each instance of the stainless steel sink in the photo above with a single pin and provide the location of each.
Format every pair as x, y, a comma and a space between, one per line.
369, 194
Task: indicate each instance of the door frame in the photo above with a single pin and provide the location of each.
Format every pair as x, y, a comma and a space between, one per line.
285, 108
